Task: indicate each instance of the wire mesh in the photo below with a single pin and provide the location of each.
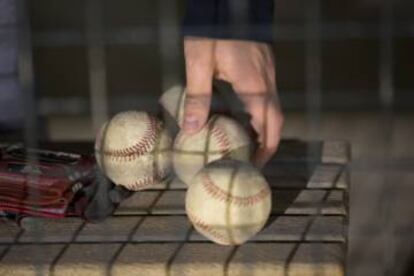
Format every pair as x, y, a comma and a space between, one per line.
380, 211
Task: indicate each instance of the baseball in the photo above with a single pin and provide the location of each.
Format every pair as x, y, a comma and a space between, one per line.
229, 202
133, 150
172, 101
222, 137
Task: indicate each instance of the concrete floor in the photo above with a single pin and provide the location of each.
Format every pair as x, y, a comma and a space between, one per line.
382, 212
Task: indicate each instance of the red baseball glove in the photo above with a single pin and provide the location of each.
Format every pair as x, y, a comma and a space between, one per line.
41, 182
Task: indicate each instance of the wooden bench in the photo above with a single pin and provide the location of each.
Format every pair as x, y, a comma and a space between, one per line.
149, 234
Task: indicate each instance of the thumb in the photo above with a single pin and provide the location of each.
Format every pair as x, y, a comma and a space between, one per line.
199, 72
196, 110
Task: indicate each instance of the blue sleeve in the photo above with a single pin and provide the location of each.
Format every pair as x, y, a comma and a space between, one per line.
246, 20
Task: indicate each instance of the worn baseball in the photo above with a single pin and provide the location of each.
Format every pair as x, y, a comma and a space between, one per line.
220, 138
134, 150
172, 100
228, 202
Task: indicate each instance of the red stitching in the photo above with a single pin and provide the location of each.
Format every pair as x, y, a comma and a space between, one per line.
221, 136
142, 183
145, 181
197, 222
221, 195
142, 147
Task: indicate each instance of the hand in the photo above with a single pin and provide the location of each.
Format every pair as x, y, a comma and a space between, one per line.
249, 68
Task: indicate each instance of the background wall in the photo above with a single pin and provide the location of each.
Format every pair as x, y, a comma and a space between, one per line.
348, 39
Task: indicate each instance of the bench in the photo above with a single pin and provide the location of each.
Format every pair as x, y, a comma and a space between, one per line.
149, 233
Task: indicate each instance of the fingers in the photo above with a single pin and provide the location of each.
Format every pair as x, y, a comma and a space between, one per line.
199, 61
249, 67
269, 130
267, 121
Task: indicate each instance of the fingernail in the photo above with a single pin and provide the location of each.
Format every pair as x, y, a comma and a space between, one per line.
191, 123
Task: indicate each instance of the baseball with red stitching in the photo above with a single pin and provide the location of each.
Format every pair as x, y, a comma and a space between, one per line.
228, 202
172, 100
221, 137
134, 150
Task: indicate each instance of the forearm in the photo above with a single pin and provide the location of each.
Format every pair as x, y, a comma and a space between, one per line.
245, 20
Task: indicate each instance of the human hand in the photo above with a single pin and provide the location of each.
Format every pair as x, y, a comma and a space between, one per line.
249, 67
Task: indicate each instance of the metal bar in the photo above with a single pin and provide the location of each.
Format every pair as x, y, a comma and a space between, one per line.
313, 64
169, 41
96, 61
26, 80
386, 94
313, 74
142, 35
26, 74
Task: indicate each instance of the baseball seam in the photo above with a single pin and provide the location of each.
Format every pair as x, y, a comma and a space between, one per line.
217, 193
140, 148
144, 182
222, 140
199, 223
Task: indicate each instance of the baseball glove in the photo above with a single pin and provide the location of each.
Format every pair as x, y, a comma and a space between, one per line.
45, 183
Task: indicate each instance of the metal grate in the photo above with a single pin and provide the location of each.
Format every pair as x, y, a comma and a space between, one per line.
314, 32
